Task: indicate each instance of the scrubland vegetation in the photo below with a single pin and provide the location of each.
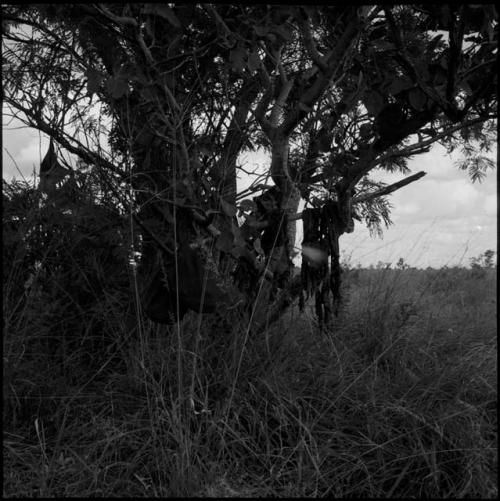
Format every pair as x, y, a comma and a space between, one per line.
396, 397
156, 116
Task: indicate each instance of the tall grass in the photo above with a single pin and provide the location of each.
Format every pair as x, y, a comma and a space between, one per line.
395, 398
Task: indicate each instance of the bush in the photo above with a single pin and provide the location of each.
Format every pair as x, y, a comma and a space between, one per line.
66, 280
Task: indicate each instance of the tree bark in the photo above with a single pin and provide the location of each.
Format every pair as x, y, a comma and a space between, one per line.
234, 141
281, 177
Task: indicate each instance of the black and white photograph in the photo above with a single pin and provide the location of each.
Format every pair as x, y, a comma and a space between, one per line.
249, 250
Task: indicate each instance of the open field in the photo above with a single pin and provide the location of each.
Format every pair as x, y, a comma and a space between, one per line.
396, 398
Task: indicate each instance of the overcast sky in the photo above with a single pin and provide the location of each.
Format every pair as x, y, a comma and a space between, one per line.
442, 219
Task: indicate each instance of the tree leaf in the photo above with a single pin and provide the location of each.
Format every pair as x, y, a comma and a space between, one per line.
117, 87
464, 85
163, 10
247, 205
227, 208
253, 61
325, 141
444, 16
94, 79
261, 31
365, 130
417, 99
284, 31
238, 251
382, 45
258, 247
225, 240
150, 27
398, 85
272, 38
237, 234
168, 214
373, 102
237, 59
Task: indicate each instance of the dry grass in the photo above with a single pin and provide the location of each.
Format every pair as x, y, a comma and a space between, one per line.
396, 398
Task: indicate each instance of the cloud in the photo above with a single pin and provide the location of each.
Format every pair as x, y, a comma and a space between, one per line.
490, 205
430, 198
25, 145
408, 209
27, 160
33, 152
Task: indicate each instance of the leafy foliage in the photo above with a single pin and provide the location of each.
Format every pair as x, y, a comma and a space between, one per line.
65, 264
164, 99
477, 166
375, 213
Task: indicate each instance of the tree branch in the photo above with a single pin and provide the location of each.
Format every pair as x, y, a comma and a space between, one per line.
121, 20
388, 189
480, 91
408, 65
422, 144
456, 38
310, 46
262, 106
332, 67
234, 139
48, 32
309, 166
280, 103
79, 150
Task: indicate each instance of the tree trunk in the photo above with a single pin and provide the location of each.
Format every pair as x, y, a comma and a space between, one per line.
281, 177
291, 208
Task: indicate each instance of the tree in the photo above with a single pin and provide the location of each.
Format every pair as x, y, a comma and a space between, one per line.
484, 260
163, 98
